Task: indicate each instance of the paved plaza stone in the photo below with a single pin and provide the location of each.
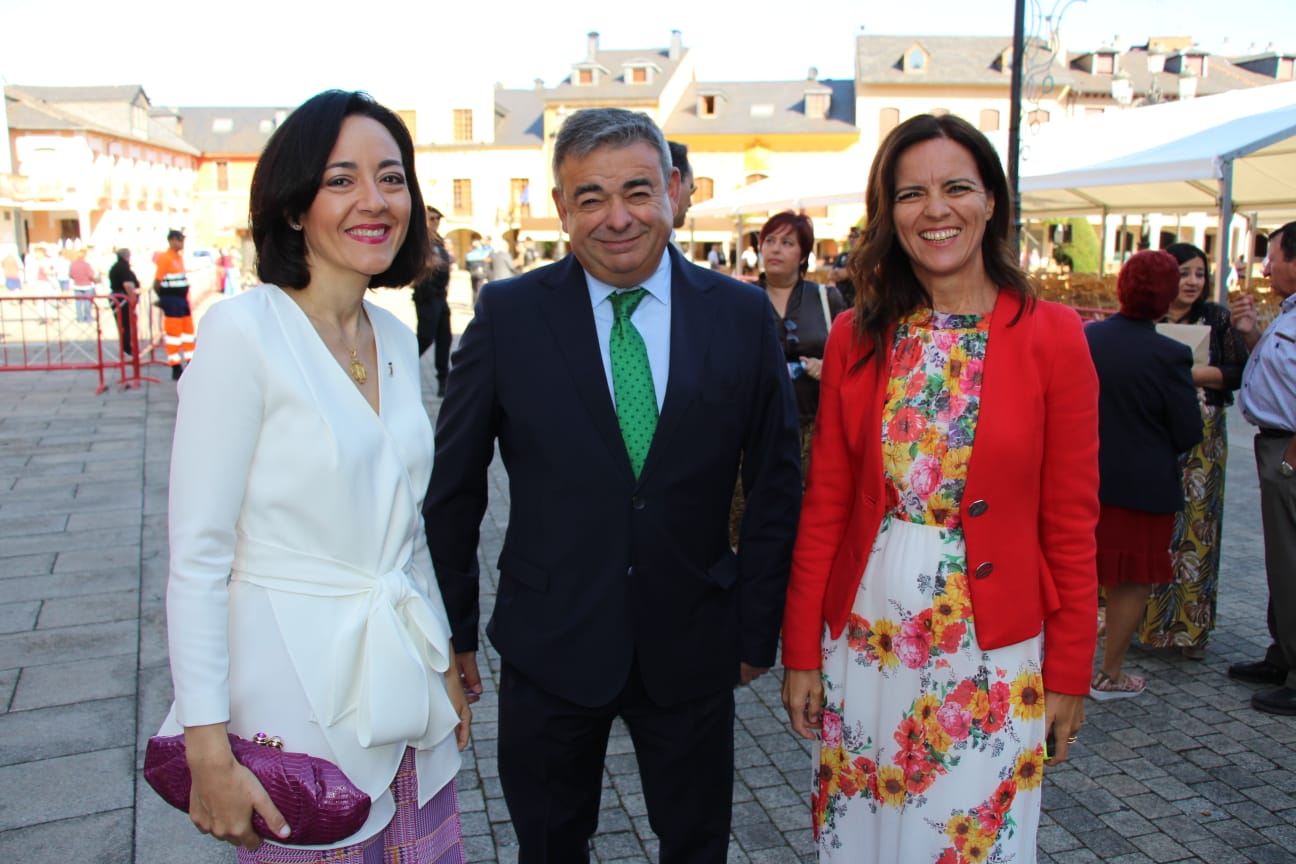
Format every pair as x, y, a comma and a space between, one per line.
1187, 772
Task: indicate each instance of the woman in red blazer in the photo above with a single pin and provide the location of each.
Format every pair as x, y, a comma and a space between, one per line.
941, 614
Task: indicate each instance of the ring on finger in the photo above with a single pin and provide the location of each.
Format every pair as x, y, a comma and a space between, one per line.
1072, 739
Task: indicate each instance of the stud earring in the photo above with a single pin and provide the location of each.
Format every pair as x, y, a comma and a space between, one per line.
296, 226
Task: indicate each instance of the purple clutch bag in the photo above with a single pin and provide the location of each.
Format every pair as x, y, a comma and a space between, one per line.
320, 804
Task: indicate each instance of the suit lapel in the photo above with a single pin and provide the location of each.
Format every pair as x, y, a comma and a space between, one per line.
566, 311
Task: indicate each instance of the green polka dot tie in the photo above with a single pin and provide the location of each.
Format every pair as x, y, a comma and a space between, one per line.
636, 400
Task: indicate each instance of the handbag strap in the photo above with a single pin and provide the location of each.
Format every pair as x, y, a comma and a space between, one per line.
823, 301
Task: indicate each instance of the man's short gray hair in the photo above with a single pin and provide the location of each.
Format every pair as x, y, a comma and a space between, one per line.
586, 131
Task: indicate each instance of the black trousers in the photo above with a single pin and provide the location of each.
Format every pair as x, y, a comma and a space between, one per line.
551, 755
122, 311
433, 328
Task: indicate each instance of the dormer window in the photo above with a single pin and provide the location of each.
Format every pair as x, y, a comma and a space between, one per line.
1005, 60
139, 121
915, 59
1104, 63
222, 125
817, 103
588, 74
639, 73
708, 104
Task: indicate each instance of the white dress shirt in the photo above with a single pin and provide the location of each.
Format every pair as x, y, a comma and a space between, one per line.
651, 318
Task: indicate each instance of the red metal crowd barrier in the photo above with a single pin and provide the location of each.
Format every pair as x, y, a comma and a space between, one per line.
41, 333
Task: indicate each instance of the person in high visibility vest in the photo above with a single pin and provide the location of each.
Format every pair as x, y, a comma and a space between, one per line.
171, 284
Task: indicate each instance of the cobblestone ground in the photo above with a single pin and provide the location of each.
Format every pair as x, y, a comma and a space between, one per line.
1186, 772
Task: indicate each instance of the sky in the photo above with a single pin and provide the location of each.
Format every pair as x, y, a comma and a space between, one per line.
281, 52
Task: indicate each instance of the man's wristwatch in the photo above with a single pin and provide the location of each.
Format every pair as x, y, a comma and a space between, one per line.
1285, 469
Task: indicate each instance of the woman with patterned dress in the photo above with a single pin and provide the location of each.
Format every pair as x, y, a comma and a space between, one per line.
1182, 614
940, 622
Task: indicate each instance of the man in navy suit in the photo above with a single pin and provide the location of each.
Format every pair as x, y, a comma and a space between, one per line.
619, 594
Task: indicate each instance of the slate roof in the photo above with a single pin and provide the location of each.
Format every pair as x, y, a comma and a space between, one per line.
104, 93
1221, 76
55, 109
951, 60
780, 109
971, 60
229, 131
519, 117
613, 84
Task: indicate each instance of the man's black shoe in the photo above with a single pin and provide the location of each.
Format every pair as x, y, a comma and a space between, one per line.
1258, 672
1281, 700
176, 371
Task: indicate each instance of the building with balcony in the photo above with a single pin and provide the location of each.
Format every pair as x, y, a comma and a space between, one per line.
94, 166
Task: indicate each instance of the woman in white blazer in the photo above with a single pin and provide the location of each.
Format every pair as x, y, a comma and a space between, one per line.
301, 600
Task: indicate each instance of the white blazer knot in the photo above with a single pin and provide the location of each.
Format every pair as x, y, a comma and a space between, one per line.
388, 639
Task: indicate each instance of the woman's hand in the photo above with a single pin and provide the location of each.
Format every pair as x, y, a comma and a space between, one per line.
813, 367
1063, 716
224, 793
459, 699
803, 697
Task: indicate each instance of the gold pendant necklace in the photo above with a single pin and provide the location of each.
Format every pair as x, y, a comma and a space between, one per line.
358, 370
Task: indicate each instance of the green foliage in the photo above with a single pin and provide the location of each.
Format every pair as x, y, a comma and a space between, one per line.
1084, 252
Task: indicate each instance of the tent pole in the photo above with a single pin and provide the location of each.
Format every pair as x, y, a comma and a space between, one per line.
1102, 254
1225, 233
1014, 123
1253, 228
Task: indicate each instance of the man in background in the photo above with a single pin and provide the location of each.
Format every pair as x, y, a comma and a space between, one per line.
431, 305
840, 274
1268, 400
123, 287
171, 284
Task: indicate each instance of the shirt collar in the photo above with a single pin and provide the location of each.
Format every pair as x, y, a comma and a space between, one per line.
657, 285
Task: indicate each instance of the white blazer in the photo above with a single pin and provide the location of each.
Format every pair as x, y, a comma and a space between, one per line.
301, 601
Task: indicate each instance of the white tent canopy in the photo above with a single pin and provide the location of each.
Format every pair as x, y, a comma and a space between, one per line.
1174, 157
783, 192
1235, 152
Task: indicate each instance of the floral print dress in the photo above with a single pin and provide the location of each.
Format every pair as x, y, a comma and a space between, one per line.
932, 749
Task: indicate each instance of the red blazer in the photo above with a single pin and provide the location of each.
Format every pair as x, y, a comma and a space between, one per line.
1029, 508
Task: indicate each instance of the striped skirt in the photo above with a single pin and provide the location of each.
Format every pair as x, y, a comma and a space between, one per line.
416, 835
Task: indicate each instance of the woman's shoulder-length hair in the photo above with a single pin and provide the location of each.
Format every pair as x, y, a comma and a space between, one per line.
288, 177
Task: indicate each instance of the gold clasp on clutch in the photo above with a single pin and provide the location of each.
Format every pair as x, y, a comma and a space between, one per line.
266, 741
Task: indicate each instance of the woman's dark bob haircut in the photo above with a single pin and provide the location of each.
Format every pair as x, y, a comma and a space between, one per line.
886, 287
289, 175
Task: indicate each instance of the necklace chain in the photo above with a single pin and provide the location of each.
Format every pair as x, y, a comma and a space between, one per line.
356, 368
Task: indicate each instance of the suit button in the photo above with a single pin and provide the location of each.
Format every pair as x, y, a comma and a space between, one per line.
638, 503
978, 507
984, 569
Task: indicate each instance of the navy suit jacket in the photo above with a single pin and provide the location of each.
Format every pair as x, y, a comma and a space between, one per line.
599, 570
1147, 414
